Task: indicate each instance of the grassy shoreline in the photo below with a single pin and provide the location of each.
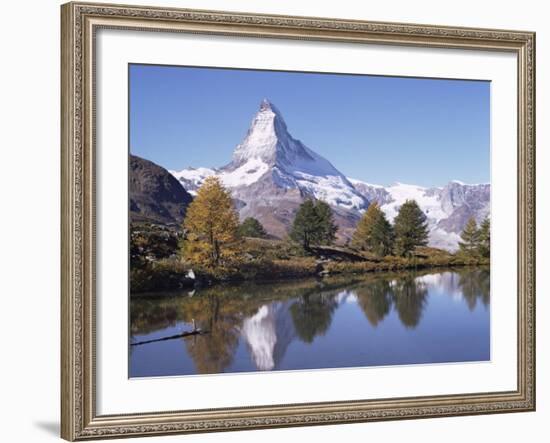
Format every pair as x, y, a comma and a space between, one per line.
276, 260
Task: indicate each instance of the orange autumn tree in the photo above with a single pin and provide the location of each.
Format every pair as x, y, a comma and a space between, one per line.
374, 233
211, 241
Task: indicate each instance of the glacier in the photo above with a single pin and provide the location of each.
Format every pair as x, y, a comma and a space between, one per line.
447, 208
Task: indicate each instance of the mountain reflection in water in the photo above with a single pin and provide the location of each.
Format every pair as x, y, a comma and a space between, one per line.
379, 319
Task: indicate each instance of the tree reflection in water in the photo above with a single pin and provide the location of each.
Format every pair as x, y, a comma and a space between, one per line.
409, 298
312, 315
375, 300
221, 312
475, 284
266, 318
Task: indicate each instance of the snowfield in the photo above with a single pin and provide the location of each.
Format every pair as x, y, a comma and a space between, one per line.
428, 202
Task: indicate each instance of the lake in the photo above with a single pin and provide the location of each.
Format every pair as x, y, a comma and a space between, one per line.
376, 319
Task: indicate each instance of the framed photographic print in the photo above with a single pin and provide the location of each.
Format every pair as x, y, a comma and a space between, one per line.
281, 221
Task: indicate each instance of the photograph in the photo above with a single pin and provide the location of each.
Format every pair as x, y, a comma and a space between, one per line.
285, 220
277, 218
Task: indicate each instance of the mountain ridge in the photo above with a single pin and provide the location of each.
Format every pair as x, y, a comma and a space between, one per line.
154, 194
447, 208
271, 173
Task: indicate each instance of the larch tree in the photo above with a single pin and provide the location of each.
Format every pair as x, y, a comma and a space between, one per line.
484, 240
469, 239
210, 225
410, 228
374, 233
361, 238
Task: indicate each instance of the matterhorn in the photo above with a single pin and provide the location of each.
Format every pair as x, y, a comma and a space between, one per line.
271, 173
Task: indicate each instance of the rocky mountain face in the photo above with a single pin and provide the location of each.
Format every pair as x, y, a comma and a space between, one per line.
155, 195
447, 208
272, 173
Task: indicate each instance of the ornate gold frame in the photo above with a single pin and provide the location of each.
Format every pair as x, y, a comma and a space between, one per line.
79, 22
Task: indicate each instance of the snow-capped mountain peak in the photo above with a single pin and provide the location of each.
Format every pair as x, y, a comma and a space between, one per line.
268, 139
269, 152
271, 173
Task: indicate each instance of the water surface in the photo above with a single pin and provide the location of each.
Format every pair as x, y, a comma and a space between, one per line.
378, 319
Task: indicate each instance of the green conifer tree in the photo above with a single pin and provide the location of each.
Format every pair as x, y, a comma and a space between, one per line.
382, 237
251, 227
469, 244
484, 240
313, 224
410, 228
327, 227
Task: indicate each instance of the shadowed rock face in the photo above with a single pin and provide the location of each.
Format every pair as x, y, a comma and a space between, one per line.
155, 195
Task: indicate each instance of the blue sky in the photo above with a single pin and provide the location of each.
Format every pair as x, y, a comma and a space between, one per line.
377, 129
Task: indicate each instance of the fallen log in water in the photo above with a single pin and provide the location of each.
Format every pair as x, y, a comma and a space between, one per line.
171, 337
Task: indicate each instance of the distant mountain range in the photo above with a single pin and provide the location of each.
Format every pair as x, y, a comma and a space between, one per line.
271, 173
447, 208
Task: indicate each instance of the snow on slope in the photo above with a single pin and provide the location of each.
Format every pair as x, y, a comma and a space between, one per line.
331, 189
270, 162
447, 208
355, 182
192, 178
268, 148
246, 174
428, 202
439, 238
